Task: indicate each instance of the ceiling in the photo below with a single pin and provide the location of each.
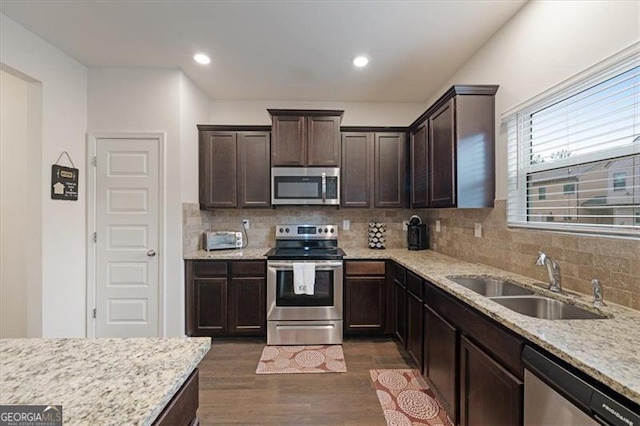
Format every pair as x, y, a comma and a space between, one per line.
276, 50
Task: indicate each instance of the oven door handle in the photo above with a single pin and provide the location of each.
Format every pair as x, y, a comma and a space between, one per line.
319, 266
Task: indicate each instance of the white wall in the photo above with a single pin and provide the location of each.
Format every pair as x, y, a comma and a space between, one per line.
355, 113
194, 109
14, 139
152, 100
59, 224
545, 43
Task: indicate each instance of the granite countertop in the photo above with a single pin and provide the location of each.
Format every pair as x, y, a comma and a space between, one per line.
607, 350
233, 254
106, 381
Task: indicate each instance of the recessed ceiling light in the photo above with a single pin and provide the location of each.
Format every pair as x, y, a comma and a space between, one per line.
360, 61
201, 58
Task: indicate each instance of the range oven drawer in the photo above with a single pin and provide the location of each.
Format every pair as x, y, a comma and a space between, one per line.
304, 332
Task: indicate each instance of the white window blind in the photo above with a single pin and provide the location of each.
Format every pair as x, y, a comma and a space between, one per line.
574, 153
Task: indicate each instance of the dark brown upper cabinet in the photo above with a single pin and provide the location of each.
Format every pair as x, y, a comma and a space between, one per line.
305, 138
356, 173
441, 157
419, 166
234, 167
373, 171
460, 149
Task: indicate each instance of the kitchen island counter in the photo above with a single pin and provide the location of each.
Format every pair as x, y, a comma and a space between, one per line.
107, 381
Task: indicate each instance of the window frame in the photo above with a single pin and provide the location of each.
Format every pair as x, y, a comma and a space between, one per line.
615, 179
519, 162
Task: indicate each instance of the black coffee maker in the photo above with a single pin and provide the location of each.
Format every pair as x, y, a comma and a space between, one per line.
417, 236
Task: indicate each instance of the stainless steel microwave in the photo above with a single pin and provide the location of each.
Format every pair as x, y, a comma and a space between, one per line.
305, 186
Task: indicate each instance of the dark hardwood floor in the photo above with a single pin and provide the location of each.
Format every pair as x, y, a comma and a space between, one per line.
231, 392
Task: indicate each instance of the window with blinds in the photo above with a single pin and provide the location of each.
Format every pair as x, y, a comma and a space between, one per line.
574, 153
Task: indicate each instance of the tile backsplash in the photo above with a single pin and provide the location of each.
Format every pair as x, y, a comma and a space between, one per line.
262, 224
615, 262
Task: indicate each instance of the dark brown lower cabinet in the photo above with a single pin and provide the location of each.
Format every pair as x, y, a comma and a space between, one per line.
364, 312
225, 298
247, 297
471, 363
365, 289
400, 311
415, 291
183, 407
441, 359
489, 394
210, 305
414, 328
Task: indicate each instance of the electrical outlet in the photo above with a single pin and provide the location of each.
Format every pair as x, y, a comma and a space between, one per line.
437, 226
346, 225
477, 230
245, 223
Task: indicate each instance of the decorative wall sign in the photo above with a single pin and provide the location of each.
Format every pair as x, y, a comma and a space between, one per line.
64, 181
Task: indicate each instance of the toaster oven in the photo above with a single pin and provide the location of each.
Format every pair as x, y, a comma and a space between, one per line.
220, 240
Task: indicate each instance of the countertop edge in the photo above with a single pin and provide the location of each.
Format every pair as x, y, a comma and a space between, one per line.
184, 375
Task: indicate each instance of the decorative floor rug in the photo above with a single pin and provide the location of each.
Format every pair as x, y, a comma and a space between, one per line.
302, 359
407, 400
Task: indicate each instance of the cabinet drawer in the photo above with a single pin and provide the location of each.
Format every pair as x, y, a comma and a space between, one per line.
250, 268
399, 273
414, 284
208, 267
366, 268
500, 343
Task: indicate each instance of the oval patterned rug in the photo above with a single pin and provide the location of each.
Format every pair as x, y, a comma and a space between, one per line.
407, 400
302, 359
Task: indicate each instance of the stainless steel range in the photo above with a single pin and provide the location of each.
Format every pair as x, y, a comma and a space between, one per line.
304, 286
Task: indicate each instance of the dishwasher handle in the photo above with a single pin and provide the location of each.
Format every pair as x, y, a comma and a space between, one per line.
557, 377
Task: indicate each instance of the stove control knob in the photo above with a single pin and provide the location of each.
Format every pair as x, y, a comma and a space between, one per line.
326, 230
319, 230
286, 230
332, 230
281, 230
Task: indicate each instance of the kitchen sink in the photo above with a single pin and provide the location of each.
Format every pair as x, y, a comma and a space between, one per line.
545, 308
491, 287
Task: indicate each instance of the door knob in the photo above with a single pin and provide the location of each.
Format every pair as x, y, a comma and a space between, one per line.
151, 253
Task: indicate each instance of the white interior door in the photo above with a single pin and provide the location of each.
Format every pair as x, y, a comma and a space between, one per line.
127, 240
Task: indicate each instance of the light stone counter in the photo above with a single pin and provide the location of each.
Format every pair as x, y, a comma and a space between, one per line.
607, 350
98, 381
238, 254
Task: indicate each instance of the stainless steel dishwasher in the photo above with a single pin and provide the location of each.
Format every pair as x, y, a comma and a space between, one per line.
554, 395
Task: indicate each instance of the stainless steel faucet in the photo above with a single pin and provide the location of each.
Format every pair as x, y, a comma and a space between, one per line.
598, 298
553, 269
